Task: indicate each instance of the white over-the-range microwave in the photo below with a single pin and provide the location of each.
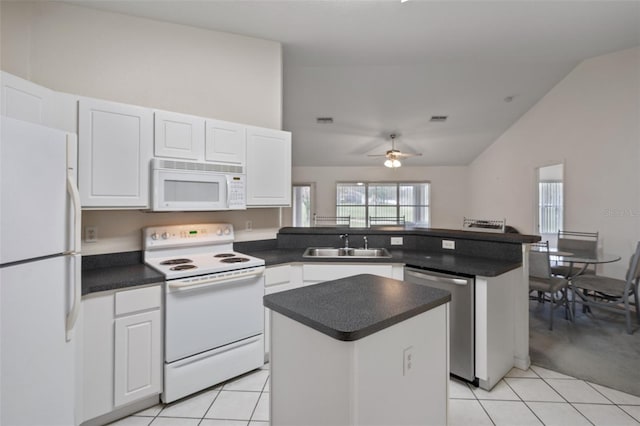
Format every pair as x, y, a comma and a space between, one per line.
191, 186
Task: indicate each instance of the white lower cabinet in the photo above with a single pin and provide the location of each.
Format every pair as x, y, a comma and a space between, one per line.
314, 273
279, 278
122, 349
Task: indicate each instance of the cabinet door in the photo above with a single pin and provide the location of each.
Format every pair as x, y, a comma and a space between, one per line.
225, 142
178, 136
98, 349
268, 167
115, 145
24, 100
138, 356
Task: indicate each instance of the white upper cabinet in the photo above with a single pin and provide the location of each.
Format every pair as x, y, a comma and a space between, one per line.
225, 142
268, 167
27, 101
24, 100
115, 148
178, 135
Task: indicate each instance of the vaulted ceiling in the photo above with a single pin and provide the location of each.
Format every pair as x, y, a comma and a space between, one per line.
382, 67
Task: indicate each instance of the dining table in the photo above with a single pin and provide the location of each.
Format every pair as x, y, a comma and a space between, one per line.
583, 258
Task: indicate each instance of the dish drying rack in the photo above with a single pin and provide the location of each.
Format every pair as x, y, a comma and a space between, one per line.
484, 225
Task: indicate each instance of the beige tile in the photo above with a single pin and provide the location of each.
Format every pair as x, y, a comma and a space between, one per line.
558, 414
510, 413
460, 390
577, 391
616, 396
151, 411
500, 391
516, 372
132, 421
194, 406
174, 421
632, 410
253, 381
261, 412
549, 374
605, 415
218, 422
533, 390
466, 412
233, 405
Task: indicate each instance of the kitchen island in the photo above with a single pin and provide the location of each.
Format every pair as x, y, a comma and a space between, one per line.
362, 350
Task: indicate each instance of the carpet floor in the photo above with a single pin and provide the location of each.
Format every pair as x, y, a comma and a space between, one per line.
595, 347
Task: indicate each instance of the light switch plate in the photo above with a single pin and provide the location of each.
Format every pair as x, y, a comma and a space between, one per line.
448, 244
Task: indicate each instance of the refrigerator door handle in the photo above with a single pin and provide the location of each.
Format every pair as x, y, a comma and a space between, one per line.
75, 279
76, 259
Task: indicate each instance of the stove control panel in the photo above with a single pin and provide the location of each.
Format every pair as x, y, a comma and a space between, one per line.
186, 235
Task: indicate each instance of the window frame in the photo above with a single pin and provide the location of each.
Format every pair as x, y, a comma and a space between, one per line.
398, 206
312, 194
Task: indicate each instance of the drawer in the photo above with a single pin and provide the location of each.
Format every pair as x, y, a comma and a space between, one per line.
277, 275
140, 299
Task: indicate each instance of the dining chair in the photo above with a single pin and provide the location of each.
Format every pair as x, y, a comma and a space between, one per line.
544, 282
575, 242
611, 294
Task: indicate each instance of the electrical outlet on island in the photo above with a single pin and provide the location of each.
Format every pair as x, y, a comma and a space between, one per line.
396, 241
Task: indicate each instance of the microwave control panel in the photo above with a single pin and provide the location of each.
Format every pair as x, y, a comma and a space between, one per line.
237, 192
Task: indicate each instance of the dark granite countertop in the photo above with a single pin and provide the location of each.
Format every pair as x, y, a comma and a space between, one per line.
510, 238
451, 263
355, 307
114, 271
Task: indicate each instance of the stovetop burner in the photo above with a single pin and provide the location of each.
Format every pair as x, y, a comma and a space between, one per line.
224, 255
176, 261
183, 267
234, 260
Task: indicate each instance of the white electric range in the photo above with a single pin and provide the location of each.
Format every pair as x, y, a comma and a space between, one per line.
213, 305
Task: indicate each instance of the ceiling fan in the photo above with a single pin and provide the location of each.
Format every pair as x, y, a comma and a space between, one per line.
393, 155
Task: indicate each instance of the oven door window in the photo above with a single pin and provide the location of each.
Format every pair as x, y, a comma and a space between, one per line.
191, 191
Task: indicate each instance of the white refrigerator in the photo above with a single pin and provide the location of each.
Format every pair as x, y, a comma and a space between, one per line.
40, 273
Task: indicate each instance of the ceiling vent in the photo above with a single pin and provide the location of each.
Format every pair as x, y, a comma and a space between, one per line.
438, 118
324, 120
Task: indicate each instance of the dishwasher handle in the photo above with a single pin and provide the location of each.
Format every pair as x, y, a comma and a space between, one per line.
437, 278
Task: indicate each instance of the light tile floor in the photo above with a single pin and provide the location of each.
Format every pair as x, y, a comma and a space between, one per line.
534, 397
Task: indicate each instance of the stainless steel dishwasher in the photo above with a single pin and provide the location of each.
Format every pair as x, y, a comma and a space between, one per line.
461, 317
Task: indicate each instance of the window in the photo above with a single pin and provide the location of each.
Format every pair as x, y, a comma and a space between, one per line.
550, 206
301, 205
408, 200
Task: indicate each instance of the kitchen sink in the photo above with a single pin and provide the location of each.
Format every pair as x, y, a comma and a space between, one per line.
347, 252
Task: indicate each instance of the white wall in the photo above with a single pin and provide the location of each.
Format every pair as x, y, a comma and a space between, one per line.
150, 63
590, 122
448, 187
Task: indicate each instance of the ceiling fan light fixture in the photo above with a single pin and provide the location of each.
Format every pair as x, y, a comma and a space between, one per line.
392, 163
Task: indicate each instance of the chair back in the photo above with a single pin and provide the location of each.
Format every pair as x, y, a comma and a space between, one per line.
539, 262
633, 273
578, 242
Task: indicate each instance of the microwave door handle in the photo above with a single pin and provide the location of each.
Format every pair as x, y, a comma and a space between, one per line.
228, 191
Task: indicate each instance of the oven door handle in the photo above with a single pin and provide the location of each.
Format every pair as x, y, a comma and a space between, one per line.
184, 285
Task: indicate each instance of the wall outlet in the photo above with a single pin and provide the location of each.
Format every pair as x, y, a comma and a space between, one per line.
248, 226
448, 244
396, 241
407, 360
90, 234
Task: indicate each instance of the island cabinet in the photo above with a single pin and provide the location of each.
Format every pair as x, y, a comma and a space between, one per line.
122, 350
362, 350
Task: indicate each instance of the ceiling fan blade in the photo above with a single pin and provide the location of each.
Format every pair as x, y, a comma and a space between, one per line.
406, 155
377, 155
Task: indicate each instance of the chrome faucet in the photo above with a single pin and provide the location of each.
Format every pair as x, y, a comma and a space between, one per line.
345, 237
366, 243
